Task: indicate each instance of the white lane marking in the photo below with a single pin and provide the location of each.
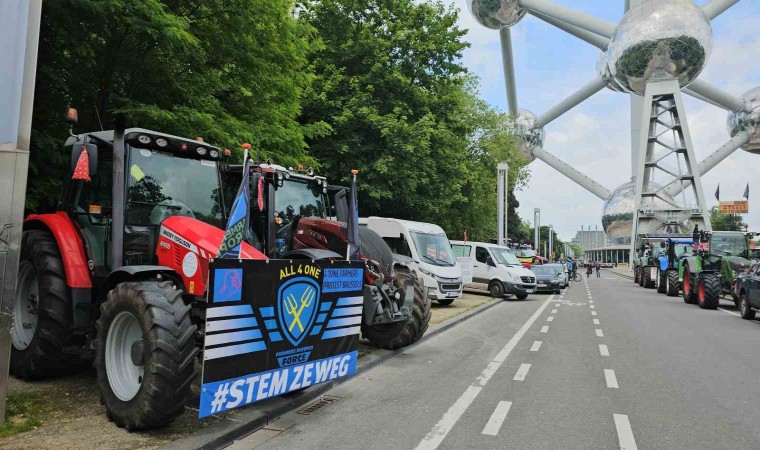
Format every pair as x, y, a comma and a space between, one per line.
545, 329
497, 418
592, 306
599, 332
591, 302
603, 350
596, 321
730, 312
439, 431
536, 345
550, 318
625, 433
522, 372
593, 313
554, 311
609, 376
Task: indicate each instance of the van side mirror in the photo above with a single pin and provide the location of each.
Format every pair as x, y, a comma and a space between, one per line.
92, 155
340, 200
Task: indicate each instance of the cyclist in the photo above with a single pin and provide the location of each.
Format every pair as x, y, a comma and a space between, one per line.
570, 269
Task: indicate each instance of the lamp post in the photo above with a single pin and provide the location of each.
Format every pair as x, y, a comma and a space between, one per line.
502, 207
537, 229
551, 244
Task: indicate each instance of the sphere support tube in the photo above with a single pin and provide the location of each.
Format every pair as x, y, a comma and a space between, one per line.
716, 96
565, 14
572, 173
584, 35
691, 93
572, 101
509, 70
715, 158
714, 8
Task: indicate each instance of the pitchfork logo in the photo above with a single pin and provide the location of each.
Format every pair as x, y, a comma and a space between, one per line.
297, 302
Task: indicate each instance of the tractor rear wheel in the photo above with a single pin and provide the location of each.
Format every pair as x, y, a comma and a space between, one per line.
401, 334
689, 291
673, 283
641, 276
43, 309
662, 282
635, 274
648, 280
708, 291
744, 307
145, 354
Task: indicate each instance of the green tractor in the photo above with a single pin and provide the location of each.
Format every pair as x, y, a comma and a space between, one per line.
711, 271
646, 262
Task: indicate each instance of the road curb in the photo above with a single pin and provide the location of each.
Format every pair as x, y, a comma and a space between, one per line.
224, 433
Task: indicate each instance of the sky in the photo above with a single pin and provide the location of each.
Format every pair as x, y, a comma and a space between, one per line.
594, 137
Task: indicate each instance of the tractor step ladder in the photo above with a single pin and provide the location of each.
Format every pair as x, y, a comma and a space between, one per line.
665, 156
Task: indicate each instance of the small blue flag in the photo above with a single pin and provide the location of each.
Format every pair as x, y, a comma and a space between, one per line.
353, 222
238, 223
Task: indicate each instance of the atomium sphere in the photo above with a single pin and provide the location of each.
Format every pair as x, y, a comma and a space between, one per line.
617, 213
525, 126
747, 119
603, 71
660, 40
496, 14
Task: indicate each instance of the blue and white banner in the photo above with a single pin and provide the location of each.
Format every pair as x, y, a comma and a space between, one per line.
276, 326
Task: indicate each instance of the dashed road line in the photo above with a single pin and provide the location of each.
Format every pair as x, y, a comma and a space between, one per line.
550, 318
497, 418
554, 311
596, 321
522, 372
624, 431
603, 350
592, 306
536, 345
593, 313
545, 329
610, 378
599, 332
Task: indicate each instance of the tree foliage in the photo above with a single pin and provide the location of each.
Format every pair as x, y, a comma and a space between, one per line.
725, 222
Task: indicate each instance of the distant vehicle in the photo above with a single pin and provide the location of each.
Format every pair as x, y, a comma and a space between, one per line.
669, 262
547, 278
747, 290
429, 253
496, 269
561, 271
529, 257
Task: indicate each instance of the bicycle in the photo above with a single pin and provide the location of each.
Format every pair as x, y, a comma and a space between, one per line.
577, 277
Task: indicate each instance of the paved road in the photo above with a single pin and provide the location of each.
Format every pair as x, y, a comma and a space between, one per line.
606, 364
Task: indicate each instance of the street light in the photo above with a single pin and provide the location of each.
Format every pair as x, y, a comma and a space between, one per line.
537, 229
502, 207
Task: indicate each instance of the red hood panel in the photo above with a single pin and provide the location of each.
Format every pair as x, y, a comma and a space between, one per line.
206, 237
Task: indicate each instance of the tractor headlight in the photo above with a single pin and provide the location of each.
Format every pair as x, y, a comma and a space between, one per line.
143, 139
201, 151
161, 142
214, 154
280, 176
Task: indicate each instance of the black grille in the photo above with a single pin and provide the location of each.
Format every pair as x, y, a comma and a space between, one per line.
450, 287
528, 279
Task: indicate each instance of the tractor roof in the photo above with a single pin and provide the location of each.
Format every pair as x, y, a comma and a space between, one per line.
107, 135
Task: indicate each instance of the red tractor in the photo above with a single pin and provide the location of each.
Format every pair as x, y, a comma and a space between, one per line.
295, 222
118, 273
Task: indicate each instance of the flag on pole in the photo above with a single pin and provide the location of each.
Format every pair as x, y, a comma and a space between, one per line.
82, 169
717, 193
238, 223
352, 251
746, 192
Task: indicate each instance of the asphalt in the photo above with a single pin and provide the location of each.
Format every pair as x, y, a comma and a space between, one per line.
685, 377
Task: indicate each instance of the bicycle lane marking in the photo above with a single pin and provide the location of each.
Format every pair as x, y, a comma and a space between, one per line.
441, 429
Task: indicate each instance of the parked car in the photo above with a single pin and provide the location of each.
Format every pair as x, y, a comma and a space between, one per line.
497, 269
561, 271
432, 258
547, 279
747, 290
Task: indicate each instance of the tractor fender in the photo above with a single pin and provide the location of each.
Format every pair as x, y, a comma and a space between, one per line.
691, 261
133, 273
69, 243
312, 253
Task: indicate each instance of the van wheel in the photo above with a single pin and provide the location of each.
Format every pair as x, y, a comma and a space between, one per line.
745, 308
445, 302
521, 296
496, 289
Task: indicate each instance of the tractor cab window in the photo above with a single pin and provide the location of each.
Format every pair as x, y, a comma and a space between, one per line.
684, 250
728, 245
296, 199
161, 185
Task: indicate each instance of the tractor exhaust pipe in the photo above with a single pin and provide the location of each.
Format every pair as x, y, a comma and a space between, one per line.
118, 194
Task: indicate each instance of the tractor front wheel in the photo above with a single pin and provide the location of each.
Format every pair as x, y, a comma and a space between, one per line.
689, 294
635, 274
401, 334
673, 283
662, 282
42, 309
708, 291
648, 280
145, 354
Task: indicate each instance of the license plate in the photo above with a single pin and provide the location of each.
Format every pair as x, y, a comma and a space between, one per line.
530, 291
452, 294
541, 285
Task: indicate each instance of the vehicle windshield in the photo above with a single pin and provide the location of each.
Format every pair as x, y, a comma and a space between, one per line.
162, 185
543, 270
728, 245
433, 248
505, 256
557, 268
296, 199
684, 249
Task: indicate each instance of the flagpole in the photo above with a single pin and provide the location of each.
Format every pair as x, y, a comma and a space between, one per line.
246, 148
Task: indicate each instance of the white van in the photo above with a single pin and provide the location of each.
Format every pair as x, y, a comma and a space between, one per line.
428, 248
496, 268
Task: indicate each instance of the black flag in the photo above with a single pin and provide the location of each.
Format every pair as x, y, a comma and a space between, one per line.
717, 193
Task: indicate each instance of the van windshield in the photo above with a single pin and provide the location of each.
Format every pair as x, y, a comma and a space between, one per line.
505, 256
433, 248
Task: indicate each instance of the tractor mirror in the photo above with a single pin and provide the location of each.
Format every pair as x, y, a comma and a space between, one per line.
340, 200
92, 155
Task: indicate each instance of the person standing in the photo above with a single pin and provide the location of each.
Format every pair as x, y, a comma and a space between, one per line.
598, 267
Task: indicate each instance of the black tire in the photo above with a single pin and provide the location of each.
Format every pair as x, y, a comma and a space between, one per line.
708, 291
673, 283
662, 282
636, 274
689, 291
169, 353
744, 307
641, 276
43, 356
401, 334
445, 302
521, 296
649, 283
557, 291
496, 288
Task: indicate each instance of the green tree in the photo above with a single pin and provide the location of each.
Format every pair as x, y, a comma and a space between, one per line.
725, 222
231, 71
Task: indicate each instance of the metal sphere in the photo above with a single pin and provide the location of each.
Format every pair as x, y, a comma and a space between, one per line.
603, 71
660, 40
496, 14
617, 213
747, 119
525, 127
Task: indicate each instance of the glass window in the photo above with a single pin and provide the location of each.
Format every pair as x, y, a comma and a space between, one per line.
505, 256
162, 185
398, 245
481, 255
461, 250
433, 248
728, 245
543, 270
296, 199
